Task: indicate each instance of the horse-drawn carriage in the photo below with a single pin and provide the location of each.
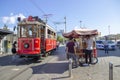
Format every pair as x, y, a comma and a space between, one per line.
80, 35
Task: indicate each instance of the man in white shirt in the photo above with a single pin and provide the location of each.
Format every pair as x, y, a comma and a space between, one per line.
88, 52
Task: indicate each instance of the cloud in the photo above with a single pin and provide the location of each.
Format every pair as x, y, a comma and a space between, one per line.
11, 14
76, 27
12, 18
21, 15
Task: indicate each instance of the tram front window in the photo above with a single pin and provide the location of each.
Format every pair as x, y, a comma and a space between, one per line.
28, 31
23, 31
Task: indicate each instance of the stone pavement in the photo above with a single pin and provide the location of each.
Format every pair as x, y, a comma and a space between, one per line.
57, 69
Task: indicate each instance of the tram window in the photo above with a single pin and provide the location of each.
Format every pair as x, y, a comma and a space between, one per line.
48, 32
23, 31
34, 34
39, 32
51, 34
54, 35
30, 31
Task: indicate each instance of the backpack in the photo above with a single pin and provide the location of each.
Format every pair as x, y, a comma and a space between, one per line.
13, 50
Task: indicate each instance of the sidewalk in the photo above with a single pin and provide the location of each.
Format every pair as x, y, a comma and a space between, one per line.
57, 69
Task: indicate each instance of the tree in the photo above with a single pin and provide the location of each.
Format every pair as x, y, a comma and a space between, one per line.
60, 39
5, 27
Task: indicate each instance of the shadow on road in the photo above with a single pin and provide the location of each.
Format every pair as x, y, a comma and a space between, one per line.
60, 78
6, 60
117, 65
51, 68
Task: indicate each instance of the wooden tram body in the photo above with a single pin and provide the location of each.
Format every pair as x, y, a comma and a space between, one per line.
35, 37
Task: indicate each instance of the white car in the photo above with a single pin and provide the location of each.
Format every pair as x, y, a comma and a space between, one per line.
111, 45
118, 43
100, 44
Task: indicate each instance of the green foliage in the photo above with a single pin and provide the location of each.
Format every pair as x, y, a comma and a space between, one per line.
60, 39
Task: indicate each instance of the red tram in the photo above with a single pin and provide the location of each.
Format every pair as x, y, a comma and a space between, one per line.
35, 37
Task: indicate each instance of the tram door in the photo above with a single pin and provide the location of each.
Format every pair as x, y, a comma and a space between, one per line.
43, 39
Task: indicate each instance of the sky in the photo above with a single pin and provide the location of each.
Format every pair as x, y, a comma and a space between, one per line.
103, 15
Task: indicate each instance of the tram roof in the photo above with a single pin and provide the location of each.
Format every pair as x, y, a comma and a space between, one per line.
33, 23
30, 22
51, 28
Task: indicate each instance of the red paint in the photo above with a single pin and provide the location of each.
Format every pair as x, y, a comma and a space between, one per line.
34, 46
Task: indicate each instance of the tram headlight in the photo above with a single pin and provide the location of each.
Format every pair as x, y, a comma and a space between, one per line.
26, 45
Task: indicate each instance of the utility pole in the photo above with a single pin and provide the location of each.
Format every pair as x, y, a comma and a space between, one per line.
65, 23
80, 24
46, 17
109, 29
62, 23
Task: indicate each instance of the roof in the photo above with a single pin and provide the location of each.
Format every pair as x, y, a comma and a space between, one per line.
4, 33
80, 32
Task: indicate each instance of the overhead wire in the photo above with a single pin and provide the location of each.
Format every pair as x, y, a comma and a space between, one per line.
41, 10
37, 6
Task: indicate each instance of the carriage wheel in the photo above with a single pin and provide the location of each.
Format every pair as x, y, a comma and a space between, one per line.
94, 60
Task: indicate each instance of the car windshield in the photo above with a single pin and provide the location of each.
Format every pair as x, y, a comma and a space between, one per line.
99, 42
110, 42
118, 42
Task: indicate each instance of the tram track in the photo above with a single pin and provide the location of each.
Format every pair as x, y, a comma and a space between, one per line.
10, 71
18, 69
21, 72
30, 69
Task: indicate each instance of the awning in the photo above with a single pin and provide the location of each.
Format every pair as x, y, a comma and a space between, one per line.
80, 32
3, 33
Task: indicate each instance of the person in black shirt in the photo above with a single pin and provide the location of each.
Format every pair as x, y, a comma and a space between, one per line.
14, 51
14, 47
71, 51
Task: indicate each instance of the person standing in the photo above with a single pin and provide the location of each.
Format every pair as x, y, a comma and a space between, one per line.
76, 43
71, 51
106, 45
89, 48
58, 43
14, 50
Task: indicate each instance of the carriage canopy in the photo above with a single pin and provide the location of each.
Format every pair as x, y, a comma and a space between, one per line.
80, 32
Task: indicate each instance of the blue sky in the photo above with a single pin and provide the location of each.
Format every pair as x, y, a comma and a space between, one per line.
94, 14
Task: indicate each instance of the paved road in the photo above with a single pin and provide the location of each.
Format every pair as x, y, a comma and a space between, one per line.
57, 68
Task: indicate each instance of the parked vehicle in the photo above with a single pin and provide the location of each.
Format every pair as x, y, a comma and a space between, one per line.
118, 43
111, 45
100, 44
